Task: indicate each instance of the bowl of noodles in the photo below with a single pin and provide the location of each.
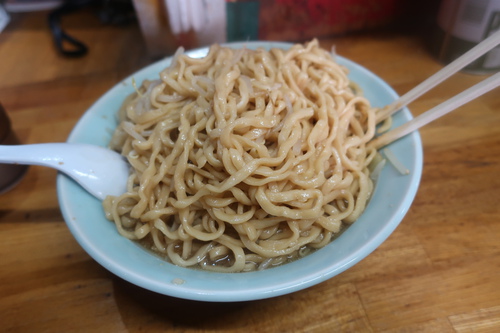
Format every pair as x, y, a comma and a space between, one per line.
251, 172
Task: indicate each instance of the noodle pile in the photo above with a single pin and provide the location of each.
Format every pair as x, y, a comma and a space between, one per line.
243, 159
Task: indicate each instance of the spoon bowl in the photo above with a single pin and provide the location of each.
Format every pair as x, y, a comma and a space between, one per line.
98, 170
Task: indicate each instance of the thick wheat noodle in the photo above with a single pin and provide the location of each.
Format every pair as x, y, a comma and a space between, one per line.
243, 159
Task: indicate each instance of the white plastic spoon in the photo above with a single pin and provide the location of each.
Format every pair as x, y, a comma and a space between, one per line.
99, 170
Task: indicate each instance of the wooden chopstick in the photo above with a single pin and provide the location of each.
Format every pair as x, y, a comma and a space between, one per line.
462, 61
438, 111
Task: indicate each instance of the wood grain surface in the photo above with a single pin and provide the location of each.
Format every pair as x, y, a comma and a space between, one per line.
438, 272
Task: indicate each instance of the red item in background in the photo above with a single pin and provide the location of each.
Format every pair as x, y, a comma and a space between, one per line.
305, 19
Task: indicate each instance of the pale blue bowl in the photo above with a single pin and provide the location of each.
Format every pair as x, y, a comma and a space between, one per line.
85, 218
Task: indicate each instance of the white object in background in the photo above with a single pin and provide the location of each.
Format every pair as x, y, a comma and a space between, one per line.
470, 21
4, 18
206, 18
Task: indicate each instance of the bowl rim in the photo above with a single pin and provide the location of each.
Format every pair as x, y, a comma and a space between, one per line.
231, 286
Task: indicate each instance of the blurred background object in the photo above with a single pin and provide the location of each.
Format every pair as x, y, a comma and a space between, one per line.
114, 12
4, 18
463, 24
17, 6
167, 24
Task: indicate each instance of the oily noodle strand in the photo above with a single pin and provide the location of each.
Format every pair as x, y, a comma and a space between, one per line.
243, 159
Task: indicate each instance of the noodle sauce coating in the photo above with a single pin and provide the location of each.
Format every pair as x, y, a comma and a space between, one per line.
244, 159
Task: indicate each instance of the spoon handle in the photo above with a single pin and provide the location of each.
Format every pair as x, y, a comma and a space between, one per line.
99, 170
52, 155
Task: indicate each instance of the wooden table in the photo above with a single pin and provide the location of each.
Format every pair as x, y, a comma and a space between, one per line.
438, 272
